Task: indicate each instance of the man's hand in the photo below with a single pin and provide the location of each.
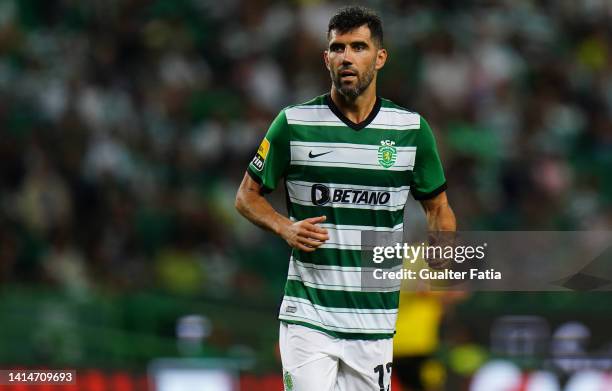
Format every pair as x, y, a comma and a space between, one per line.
305, 235
442, 239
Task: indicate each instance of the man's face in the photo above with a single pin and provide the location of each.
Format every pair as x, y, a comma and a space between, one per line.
353, 59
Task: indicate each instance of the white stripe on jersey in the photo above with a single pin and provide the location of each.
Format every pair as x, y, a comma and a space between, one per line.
348, 237
321, 115
361, 156
316, 115
349, 196
389, 118
395, 228
336, 278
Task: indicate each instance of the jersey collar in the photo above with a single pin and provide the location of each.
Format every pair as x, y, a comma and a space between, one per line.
355, 126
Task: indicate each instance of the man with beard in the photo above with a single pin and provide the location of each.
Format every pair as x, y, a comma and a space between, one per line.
349, 160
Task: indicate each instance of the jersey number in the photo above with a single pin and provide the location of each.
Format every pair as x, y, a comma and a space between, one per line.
380, 369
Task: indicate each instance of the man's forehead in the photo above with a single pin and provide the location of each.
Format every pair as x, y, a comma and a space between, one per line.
361, 33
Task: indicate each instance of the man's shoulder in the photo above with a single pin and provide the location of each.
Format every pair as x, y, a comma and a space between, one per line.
389, 105
398, 117
303, 113
312, 103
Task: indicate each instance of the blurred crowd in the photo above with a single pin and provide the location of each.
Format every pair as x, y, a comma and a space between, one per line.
126, 126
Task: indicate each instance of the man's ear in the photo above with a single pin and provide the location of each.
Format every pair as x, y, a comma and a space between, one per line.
326, 58
381, 58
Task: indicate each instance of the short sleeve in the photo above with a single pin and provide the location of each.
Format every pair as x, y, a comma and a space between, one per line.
273, 155
428, 175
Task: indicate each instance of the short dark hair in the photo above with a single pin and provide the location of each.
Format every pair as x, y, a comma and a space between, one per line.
350, 18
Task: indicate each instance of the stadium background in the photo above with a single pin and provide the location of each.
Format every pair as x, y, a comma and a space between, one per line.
126, 127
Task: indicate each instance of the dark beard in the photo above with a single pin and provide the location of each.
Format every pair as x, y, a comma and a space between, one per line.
351, 93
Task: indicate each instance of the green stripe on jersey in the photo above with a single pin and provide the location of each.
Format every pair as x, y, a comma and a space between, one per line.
379, 218
343, 299
330, 257
337, 334
350, 176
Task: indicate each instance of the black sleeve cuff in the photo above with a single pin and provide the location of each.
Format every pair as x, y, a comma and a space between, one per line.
426, 196
264, 189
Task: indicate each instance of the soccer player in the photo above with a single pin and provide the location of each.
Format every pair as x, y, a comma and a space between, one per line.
349, 160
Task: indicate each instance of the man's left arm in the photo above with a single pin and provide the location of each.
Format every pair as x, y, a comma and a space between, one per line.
440, 216
429, 184
429, 188
441, 226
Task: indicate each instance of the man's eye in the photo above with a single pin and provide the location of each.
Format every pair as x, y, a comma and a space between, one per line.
337, 49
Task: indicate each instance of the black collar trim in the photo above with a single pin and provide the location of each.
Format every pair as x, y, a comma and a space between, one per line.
332, 106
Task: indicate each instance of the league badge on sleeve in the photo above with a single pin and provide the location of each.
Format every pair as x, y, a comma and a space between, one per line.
260, 156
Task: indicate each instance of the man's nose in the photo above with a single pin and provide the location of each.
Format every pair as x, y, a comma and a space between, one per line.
347, 56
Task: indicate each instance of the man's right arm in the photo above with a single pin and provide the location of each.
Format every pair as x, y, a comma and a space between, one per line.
303, 235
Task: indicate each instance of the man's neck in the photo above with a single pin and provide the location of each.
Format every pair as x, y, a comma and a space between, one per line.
358, 109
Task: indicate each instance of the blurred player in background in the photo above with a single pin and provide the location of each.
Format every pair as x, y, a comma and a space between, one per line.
349, 159
418, 324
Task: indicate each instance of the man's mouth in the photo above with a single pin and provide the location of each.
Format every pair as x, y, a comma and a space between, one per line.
347, 74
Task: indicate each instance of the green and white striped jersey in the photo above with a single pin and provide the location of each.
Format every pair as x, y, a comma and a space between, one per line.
359, 176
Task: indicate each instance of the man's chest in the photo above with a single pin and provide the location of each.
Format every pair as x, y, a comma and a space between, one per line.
366, 170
